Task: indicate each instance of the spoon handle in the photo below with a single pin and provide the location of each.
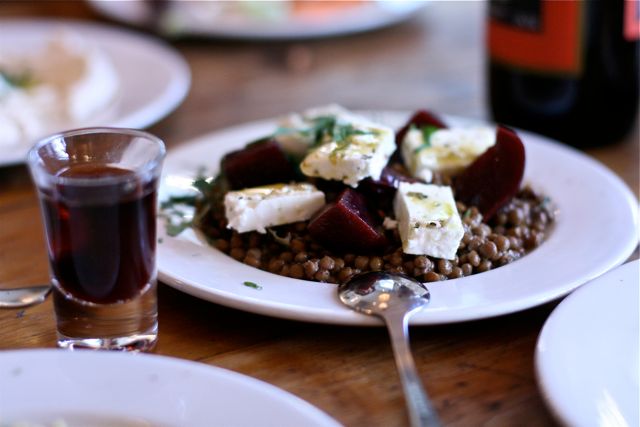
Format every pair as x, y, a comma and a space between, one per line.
421, 412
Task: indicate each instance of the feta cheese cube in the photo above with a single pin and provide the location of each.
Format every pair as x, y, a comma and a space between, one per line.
353, 149
428, 221
260, 207
296, 132
446, 150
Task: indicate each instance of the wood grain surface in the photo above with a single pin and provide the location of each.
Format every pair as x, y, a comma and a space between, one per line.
477, 373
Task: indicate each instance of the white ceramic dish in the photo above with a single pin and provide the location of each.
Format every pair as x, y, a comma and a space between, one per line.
587, 357
154, 78
596, 230
40, 386
367, 16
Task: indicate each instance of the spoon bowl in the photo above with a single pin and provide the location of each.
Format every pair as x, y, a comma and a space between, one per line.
394, 297
23, 297
378, 291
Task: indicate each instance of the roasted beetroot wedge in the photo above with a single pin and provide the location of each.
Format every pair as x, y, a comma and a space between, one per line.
346, 225
419, 119
384, 189
494, 177
260, 163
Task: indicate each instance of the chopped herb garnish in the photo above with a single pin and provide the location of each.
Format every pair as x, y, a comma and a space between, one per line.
427, 132
178, 210
173, 229
178, 200
416, 195
21, 80
203, 185
325, 128
545, 202
252, 285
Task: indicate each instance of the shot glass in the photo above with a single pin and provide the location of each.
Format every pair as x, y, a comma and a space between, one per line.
98, 196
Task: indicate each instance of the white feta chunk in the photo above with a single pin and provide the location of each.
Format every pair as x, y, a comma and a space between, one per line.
354, 149
296, 131
444, 150
428, 221
260, 207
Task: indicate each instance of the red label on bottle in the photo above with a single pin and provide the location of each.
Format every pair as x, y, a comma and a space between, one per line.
553, 47
632, 20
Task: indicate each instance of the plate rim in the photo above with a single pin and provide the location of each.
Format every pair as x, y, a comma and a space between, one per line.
145, 115
213, 373
549, 393
383, 18
354, 319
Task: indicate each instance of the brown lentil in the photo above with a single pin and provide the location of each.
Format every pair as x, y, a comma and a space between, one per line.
237, 253
361, 262
296, 271
252, 261
310, 267
502, 242
485, 265
297, 246
327, 263
322, 275
275, 265
236, 241
467, 269
222, 245
301, 257
456, 272
473, 258
444, 267
345, 274
396, 259
375, 263
431, 277
286, 256
488, 250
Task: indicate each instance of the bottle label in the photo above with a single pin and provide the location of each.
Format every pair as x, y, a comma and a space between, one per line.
632, 20
542, 36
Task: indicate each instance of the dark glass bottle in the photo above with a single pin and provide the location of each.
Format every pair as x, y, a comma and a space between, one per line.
566, 69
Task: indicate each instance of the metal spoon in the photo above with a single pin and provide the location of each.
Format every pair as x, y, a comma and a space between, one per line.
394, 297
23, 297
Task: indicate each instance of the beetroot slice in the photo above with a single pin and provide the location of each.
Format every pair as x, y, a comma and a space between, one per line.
387, 185
419, 119
494, 177
346, 225
260, 163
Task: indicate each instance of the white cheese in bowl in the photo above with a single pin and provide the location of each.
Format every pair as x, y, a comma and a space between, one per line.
64, 84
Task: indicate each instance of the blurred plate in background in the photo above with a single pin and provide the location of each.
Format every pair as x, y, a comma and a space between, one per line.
587, 357
142, 98
268, 20
91, 389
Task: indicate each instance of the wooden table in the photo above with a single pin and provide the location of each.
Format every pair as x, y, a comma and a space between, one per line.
477, 373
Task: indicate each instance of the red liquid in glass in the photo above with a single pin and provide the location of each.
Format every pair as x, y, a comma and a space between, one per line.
101, 238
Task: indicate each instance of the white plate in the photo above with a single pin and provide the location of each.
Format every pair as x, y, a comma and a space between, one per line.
588, 356
596, 230
40, 386
154, 78
367, 16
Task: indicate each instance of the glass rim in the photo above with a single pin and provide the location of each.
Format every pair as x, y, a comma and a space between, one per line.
33, 158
